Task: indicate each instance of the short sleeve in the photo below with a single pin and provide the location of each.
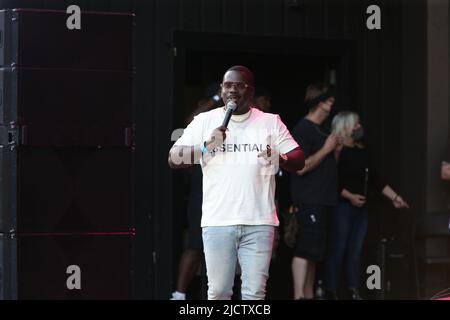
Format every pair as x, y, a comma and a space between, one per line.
193, 134
285, 142
302, 137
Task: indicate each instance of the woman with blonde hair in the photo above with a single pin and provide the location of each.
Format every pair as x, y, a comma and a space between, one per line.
349, 219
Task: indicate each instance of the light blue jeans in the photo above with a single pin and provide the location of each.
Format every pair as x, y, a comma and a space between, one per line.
251, 246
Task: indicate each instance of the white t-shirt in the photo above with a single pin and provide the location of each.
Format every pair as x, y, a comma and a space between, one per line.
239, 187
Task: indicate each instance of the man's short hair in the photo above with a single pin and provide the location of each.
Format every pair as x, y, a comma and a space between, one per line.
246, 72
316, 93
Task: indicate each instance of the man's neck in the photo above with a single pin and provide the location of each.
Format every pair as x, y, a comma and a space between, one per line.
244, 110
315, 117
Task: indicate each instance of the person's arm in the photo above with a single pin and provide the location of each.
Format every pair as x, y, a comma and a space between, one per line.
445, 171
337, 151
293, 161
181, 157
356, 199
397, 200
314, 160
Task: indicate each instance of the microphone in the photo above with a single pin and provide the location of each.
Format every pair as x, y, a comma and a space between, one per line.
231, 106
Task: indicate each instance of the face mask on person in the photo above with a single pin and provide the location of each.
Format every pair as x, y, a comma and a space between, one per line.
358, 134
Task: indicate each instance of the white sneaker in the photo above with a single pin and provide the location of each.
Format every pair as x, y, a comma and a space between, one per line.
178, 296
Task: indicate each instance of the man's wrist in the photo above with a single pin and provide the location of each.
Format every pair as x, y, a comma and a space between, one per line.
203, 148
283, 159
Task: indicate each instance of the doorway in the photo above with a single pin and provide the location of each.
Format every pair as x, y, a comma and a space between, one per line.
284, 67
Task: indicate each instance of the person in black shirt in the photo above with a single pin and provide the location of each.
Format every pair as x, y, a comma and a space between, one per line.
348, 223
313, 189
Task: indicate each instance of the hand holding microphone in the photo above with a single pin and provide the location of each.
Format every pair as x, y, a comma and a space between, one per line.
218, 136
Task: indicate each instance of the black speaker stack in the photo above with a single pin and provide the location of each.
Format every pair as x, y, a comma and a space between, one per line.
66, 155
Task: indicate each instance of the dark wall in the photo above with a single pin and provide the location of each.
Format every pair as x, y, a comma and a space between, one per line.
388, 89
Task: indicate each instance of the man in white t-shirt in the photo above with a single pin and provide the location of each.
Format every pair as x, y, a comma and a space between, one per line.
238, 163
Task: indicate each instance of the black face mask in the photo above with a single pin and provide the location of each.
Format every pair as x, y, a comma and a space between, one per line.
358, 134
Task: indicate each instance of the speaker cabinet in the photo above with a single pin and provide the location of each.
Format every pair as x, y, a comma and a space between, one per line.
52, 266
66, 156
41, 39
